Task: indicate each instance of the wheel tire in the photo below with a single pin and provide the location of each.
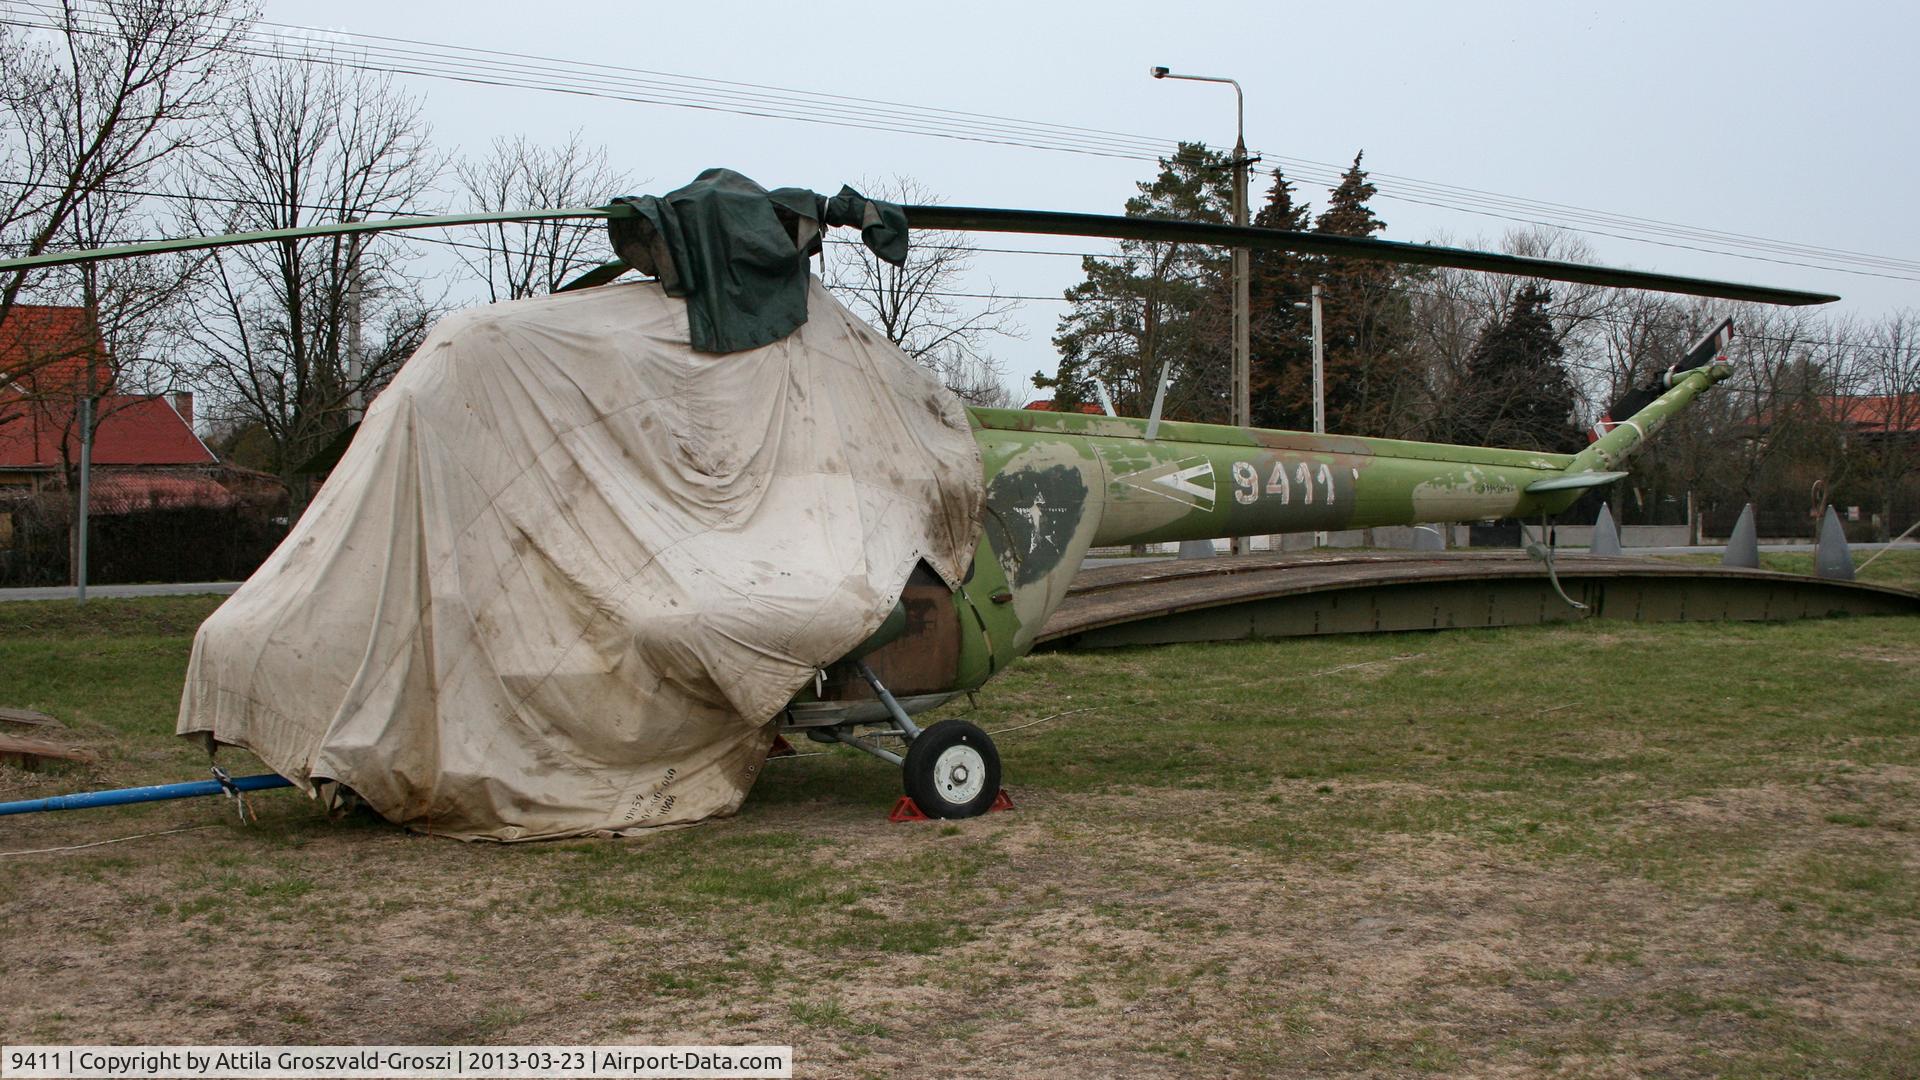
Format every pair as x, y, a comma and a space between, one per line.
952, 770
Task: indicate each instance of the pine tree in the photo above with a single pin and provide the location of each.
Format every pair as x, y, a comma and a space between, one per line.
1517, 392
1370, 376
1281, 355
1347, 212
1156, 302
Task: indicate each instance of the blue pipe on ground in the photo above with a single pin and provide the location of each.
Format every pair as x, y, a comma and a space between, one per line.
156, 793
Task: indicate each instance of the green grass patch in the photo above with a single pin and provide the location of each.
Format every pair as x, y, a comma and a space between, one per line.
110, 671
1898, 568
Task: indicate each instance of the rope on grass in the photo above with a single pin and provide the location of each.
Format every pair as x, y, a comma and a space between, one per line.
101, 843
1042, 720
1350, 667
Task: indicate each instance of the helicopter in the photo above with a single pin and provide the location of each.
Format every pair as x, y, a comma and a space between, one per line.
1051, 487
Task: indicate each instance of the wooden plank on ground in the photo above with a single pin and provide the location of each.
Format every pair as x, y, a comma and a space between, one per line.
27, 718
32, 753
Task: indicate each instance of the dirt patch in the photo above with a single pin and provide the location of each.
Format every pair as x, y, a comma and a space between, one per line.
1095, 935
1777, 804
1883, 654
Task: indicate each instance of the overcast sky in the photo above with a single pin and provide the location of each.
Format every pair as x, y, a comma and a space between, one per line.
1785, 122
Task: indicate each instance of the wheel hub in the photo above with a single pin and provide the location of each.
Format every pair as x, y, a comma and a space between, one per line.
959, 773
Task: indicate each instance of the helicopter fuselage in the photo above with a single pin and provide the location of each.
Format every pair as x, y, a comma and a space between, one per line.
1061, 484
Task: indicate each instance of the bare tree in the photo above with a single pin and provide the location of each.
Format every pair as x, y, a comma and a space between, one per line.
519, 259
310, 144
1452, 307
97, 107
1886, 377
919, 305
95, 102
1786, 444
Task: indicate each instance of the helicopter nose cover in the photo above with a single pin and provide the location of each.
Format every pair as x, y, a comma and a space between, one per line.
570, 569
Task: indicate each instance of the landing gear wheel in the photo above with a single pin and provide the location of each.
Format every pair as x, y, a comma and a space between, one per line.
952, 770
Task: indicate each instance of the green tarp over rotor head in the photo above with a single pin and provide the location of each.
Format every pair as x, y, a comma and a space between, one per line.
738, 253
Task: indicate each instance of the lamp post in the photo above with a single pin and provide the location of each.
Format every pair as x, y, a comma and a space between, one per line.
1319, 383
1319, 365
1242, 333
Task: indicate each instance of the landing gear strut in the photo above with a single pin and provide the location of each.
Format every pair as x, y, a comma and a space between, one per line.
951, 770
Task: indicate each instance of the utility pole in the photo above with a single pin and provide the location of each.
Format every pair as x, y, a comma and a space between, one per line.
1242, 258
1242, 318
1242, 301
356, 397
86, 500
1319, 369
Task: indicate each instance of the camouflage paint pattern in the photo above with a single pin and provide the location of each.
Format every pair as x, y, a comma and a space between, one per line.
1613, 448
1061, 483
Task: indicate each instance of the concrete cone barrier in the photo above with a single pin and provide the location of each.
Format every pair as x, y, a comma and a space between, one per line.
1833, 560
1606, 535
1743, 547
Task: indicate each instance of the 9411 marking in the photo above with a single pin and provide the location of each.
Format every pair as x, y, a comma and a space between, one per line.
1247, 489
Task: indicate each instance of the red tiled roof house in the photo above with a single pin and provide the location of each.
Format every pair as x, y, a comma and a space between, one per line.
145, 454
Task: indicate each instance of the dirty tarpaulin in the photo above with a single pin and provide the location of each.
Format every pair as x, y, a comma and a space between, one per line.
570, 567
738, 253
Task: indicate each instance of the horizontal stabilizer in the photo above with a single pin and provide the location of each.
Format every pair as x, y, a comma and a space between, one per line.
1570, 481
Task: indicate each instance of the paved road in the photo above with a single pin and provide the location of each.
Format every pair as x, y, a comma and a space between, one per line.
114, 592
1700, 549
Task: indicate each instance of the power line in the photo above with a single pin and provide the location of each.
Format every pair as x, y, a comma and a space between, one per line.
1681, 246
1688, 230
446, 63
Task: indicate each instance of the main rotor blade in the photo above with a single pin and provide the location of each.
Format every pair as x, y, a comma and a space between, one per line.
1160, 230
377, 225
985, 219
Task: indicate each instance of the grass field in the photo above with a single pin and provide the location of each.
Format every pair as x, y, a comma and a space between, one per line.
1599, 849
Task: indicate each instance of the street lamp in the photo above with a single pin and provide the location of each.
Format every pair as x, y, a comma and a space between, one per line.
1319, 365
1319, 383
1242, 397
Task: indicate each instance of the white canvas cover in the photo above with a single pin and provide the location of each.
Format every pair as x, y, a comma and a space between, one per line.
569, 568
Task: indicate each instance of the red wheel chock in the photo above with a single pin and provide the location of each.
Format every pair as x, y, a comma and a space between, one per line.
781, 748
908, 810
